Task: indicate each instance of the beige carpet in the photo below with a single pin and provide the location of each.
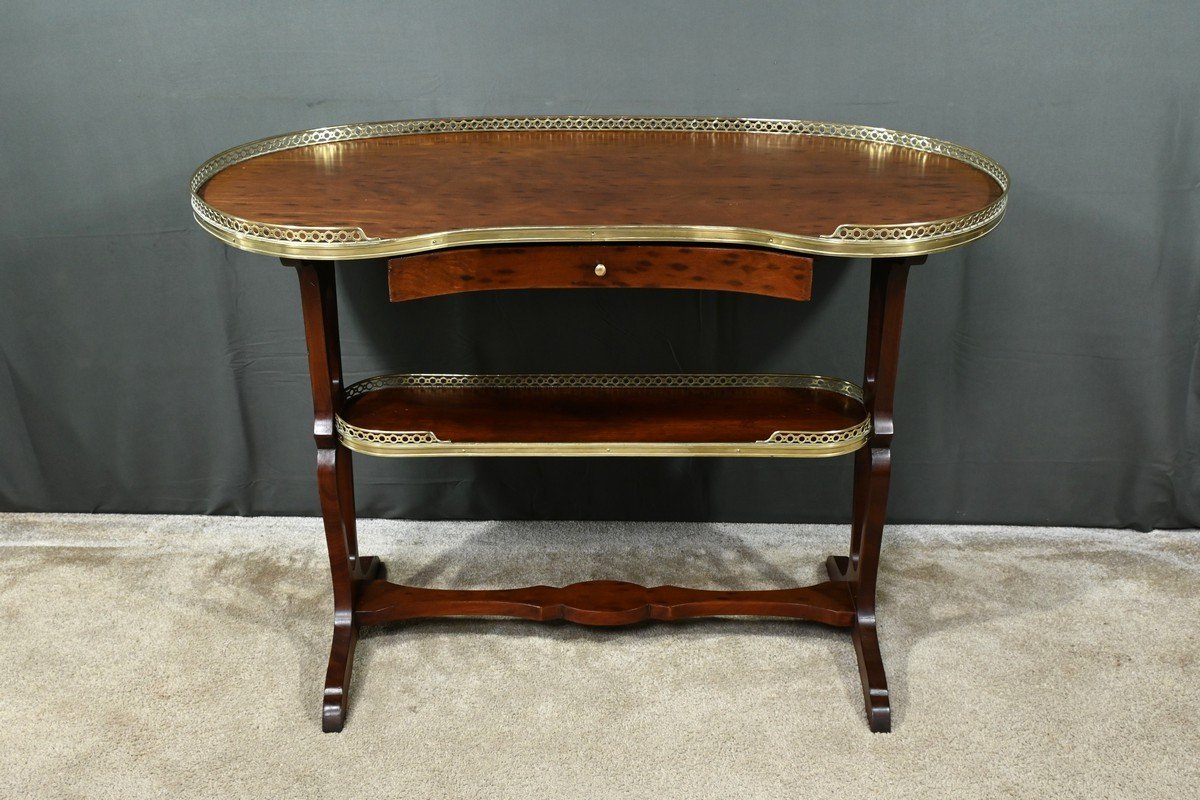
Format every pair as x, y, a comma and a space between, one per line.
182, 657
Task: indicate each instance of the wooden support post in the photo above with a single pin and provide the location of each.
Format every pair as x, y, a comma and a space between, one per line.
872, 473
335, 480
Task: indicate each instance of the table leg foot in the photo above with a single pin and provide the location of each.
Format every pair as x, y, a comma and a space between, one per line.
341, 652
337, 678
874, 681
876, 697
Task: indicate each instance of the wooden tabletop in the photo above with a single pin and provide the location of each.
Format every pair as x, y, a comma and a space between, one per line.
385, 189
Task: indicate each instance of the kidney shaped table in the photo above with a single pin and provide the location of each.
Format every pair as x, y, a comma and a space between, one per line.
734, 205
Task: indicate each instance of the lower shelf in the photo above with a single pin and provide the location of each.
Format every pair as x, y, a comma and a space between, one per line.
603, 415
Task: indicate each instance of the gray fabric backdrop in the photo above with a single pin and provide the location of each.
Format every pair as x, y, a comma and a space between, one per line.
1049, 373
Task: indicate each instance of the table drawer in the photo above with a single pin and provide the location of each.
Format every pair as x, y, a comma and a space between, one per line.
471, 269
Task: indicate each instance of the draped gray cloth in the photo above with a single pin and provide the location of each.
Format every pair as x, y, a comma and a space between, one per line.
1048, 375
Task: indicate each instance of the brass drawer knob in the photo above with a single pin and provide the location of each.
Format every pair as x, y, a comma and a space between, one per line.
600, 270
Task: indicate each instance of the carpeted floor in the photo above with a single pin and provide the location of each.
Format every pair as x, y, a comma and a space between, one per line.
183, 656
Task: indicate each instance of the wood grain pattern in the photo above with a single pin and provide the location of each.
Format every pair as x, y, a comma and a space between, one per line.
472, 269
602, 414
402, 186
606, 603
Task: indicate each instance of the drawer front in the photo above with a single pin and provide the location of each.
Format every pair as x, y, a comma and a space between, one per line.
588, 266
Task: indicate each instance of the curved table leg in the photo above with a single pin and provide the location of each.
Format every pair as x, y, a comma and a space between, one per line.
876, 698
335, 481
350, 574
336, 502
862, 569
872, 475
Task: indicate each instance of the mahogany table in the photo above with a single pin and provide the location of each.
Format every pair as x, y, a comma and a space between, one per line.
735, 205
